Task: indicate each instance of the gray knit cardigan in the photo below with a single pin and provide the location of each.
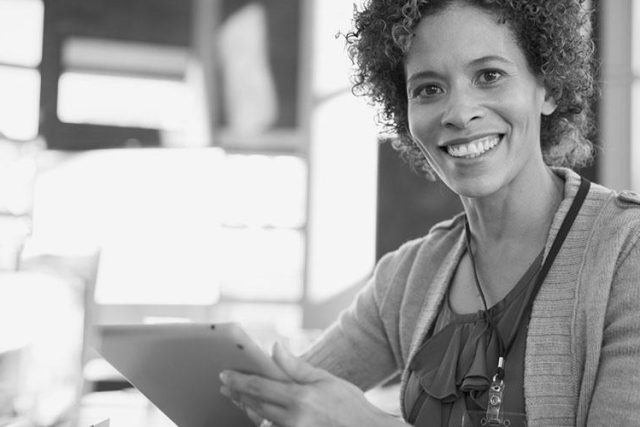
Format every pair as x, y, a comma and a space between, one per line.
582, 359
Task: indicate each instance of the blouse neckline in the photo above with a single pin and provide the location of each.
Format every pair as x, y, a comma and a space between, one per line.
498, 308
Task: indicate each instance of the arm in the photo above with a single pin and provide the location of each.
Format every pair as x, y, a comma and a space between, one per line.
358, 347
616, 397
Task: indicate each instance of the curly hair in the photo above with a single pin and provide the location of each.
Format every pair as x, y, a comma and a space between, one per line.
553, 34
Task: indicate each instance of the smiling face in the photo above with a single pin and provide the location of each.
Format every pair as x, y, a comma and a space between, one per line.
474, 105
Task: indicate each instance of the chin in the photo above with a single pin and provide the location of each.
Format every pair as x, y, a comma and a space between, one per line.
473, 187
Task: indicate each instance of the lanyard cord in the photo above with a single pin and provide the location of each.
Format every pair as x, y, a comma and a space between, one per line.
546, 266
487, 315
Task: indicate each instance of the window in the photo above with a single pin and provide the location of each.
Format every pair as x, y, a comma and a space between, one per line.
343, 164
211, 233
20, 88
118, 74
126, 84
21, 23
263, 216
197, 227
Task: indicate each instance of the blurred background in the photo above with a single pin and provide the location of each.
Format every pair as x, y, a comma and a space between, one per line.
205, 161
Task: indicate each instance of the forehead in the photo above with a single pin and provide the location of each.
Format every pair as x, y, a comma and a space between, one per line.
461, 33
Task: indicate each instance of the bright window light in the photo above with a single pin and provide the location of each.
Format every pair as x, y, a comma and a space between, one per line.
635, 42
19, 103
343, 197
331, 19
156, 224
124, 101
157, 268
21, 32
262, 264
160, 227
264, 190
124, 57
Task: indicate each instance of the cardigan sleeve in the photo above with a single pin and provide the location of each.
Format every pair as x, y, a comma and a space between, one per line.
357, 347
616, 396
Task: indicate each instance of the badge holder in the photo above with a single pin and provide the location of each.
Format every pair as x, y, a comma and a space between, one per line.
494, 413
479, 419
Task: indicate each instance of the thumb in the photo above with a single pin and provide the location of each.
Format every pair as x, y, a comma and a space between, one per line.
297, 369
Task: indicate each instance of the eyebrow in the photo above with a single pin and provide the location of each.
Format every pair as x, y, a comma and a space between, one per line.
478, 61
422, 75
490, 58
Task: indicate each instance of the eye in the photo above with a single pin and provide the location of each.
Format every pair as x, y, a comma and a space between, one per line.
490, 76
427, 91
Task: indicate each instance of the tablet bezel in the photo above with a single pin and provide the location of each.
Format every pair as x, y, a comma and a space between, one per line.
177, 367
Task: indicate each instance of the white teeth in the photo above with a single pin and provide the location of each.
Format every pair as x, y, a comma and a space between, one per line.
473, 148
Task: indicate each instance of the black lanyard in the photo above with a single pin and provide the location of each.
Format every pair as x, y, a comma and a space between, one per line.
497, 387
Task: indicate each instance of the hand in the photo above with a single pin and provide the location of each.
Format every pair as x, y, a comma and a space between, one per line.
313, 397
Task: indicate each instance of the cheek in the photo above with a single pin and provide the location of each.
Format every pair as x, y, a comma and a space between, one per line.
522, 109
423, 127
424, 133
524, 122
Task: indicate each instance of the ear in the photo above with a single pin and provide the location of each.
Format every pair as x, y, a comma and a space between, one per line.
549, 104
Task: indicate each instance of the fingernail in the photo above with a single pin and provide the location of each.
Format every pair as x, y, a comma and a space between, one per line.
224, 377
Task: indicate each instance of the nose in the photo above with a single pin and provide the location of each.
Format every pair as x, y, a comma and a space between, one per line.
461, 109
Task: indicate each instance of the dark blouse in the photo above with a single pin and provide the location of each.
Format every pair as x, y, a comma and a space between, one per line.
451, 373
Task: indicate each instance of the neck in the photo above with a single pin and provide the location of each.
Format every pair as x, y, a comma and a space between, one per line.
521, 212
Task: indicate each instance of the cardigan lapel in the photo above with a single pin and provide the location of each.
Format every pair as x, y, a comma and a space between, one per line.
435, 293
437, 285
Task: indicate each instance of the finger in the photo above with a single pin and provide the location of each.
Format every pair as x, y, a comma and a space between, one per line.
277, 417
233, 396
253, 416
299, 370
258, 410
257, 387
235, 399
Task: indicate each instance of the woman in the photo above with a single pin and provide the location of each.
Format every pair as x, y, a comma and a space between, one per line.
526, 307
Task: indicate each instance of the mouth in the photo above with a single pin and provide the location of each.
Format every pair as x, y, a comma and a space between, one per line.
474, 148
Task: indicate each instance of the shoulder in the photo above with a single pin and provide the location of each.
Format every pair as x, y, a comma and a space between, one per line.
628, 211
627, 204
620, 209
402, 277
600, 199
442, 233
616, 226
609, 208
429, 248
628, 199
622, 200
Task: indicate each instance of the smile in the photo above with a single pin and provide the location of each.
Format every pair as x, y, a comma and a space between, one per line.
472, 149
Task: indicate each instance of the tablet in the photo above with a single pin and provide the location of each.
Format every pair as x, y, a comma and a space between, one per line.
176, 366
